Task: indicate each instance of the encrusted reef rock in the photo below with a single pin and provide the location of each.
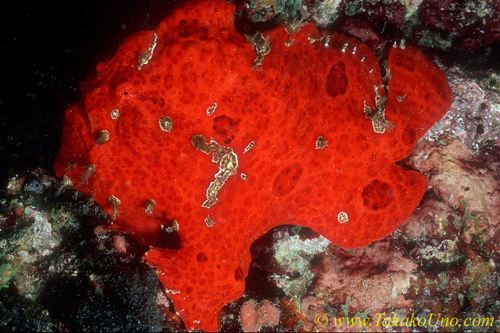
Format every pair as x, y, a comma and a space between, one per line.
60, 269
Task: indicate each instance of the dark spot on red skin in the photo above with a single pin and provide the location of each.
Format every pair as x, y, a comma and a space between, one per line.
184, 33
377, 195
287, 180
409, 136
336, 82
201, 257
238, 274
226, 127
203, 33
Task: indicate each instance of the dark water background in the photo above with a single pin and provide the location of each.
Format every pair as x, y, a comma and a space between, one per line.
46, 49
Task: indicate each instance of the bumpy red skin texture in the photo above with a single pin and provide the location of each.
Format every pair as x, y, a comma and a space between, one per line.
299, 93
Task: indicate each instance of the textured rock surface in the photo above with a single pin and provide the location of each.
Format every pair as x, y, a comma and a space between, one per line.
57, 273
